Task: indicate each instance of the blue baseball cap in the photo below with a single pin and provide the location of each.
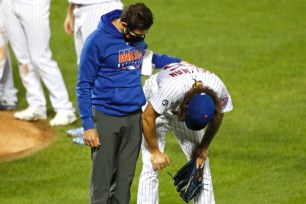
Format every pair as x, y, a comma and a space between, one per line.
201, 110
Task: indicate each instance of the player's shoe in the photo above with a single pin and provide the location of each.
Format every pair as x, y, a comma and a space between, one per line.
78, 140
63, 118
8, 104
31, 114
76, 132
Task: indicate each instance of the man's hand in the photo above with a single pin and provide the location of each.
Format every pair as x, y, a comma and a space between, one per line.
200, 154
69, 21
69, 24
91, 138
159, 160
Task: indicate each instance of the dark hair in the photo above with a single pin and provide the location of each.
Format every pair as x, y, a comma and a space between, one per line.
137, 16
182, 112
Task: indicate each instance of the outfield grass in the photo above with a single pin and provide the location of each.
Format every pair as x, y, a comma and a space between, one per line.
258, 49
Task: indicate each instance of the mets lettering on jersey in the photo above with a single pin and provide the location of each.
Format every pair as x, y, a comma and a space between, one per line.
130, 58
176, 79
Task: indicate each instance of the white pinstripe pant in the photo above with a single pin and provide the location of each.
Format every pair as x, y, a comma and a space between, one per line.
148, 182
28, 29
7, 88
86, 20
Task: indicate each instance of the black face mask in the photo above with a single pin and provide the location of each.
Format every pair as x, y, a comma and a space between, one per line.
132, 37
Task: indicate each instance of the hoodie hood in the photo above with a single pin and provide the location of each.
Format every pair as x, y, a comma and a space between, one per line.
106, 25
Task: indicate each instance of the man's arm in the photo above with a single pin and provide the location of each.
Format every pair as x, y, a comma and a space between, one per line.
69, 21
87, 74
212, 128
159, 160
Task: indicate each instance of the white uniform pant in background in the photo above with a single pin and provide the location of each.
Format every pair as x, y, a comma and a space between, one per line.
8, 92
28, 30
86, 20
7, 88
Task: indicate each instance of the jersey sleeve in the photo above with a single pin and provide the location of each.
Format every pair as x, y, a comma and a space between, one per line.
226, 100
166, 97
216, 84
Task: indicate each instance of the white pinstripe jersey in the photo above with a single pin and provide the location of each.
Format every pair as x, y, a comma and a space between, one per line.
176, 79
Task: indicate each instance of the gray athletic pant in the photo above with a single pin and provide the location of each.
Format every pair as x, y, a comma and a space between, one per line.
114, 162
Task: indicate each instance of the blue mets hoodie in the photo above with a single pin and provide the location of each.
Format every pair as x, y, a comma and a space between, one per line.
109, 77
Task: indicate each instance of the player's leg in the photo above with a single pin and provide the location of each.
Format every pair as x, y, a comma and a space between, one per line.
148, 181
206, 196
8, 97
37, 29
188, 140
18, 41
79, 40
3, 42
8, 92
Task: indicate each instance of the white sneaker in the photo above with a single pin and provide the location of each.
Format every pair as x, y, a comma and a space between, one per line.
63, 118
31, 114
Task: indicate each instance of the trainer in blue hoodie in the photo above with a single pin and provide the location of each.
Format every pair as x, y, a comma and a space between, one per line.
110, 97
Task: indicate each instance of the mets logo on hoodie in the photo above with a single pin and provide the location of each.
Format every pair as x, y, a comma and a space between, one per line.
130, 59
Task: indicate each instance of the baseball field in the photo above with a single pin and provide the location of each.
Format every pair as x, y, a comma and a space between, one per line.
258, 48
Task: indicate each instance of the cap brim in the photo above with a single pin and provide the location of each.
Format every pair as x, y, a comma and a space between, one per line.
193, 126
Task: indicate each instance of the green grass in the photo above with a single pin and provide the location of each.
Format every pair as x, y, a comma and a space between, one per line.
258, 49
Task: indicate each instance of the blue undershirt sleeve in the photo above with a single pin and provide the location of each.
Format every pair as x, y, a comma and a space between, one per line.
160, 60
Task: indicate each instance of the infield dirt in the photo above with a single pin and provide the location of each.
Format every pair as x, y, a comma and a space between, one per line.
20, 138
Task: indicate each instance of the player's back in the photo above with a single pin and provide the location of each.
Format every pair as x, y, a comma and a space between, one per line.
184, 76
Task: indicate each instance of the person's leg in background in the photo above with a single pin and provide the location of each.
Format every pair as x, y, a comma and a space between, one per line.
46, 67
8, 92
33, 39
18, 40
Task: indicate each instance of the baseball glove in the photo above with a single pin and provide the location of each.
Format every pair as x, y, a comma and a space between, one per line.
188, 180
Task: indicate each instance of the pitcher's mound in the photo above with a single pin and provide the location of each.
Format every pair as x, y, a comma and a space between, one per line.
19, 138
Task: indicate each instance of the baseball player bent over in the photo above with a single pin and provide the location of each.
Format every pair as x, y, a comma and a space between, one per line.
184, 99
